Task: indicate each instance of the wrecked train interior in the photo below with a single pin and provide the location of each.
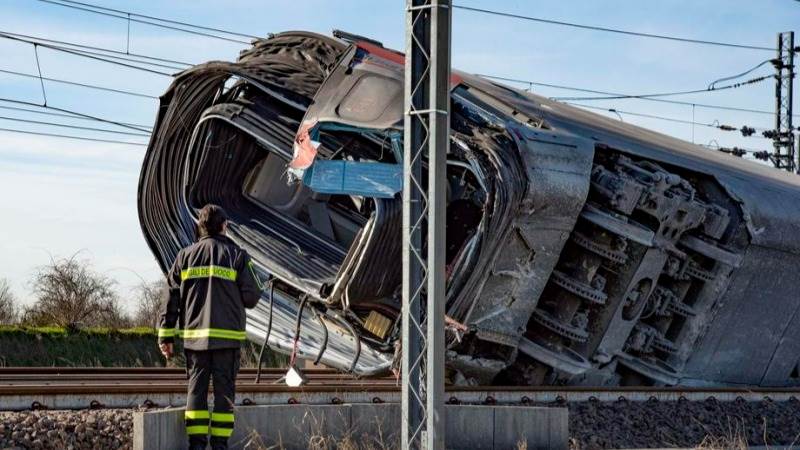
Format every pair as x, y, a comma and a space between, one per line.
580, 250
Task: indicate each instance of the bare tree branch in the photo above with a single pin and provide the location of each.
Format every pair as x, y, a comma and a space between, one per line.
9, 311
148, 302
69, 293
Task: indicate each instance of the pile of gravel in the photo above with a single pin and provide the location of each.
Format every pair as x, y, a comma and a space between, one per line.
653, 424
67, 430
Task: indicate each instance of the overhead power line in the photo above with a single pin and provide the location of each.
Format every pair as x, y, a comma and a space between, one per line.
69, 116
132, 17
82, 54
672, 94
73, 127
67, 136
594, 91
84, 48
75, 113
83, 85
161, 19
714, 124
614, 30
739, 75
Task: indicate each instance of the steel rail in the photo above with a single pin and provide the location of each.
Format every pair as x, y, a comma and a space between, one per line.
79, 388
143, 380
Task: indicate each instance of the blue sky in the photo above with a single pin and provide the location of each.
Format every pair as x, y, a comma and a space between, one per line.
64, 196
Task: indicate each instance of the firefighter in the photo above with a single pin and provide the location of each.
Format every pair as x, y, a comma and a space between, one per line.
210, 284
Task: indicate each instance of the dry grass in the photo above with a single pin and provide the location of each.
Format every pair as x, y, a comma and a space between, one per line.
723, 443
734, 438
318, 440
318, 435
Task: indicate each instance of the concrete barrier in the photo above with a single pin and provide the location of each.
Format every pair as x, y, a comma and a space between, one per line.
473, 427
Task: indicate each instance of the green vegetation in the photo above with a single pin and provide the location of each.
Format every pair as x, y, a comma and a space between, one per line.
94, 347
22, 346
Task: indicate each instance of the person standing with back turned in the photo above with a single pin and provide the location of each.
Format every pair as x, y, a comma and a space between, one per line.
209, 286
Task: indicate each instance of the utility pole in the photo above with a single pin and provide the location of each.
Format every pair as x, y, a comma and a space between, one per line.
426, 138
783, 156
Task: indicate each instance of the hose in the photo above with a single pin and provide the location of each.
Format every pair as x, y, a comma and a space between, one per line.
297, 329
357, 340
324, 339
269, 330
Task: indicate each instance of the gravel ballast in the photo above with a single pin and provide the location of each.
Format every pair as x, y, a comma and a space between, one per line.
592, 425
655, 424
67, 430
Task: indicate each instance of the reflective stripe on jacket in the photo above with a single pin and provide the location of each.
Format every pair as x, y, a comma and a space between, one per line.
209, 286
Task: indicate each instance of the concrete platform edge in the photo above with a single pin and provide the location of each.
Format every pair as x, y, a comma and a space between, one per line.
289, 427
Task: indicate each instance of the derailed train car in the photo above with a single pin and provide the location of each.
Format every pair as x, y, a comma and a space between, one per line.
580, 250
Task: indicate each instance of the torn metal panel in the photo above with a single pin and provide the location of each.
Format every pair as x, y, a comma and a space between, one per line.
557, 168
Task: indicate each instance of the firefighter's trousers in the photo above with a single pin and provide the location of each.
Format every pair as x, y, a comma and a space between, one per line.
220, 366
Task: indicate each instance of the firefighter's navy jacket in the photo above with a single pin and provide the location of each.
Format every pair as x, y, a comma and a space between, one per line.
210, 284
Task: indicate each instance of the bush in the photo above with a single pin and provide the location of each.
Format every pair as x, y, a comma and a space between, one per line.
70, 294
149, 297
9, 312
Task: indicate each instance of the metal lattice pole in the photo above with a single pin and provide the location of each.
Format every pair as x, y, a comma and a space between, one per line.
783, 138
427, 128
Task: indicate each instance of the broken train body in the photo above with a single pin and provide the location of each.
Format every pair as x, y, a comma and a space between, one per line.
580, 250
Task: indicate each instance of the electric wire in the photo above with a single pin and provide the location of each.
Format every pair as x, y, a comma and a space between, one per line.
613, 30
116, 58
66, 136
75, 113
739, 75
74, 127
70, 116
669, 94
83, 85
664, 118
653, 97
660, 100
160, 19
39, 69
85, 47
83, 54
142, 21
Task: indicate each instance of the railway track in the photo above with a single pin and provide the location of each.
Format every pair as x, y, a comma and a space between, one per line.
77, 388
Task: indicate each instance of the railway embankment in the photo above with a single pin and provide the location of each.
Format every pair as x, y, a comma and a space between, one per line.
22, 346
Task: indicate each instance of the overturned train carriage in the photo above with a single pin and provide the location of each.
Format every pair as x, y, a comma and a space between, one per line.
580, 250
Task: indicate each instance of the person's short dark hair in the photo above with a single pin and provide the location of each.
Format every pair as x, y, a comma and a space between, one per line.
210, 220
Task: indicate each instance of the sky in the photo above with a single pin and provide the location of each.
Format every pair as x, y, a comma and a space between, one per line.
63, 197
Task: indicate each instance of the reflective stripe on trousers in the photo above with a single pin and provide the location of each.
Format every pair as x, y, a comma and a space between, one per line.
221, 424
196, 422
